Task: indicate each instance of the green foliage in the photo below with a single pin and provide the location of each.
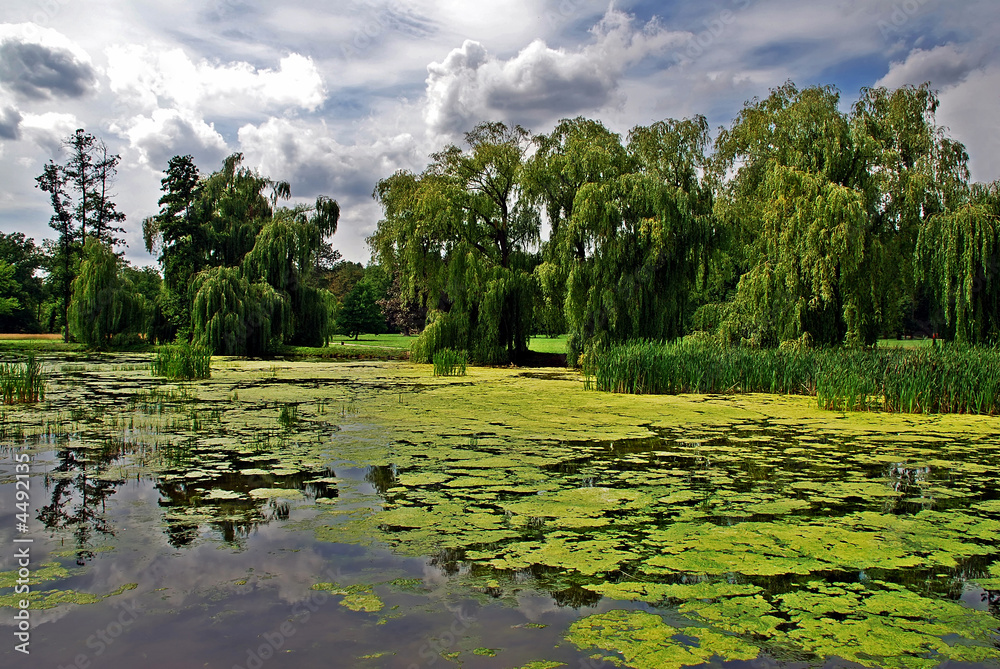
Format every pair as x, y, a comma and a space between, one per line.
444, 330
182, 362
550, 315
629, 228
106, 311
699, 366
824, 209
938, 380
20, 284
8, 289
232, 316
450, 363
359, 313
230, 220
457, 235
951, 379
22, 383
959, 257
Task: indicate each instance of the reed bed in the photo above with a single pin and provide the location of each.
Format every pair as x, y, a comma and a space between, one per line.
22, 383
182, 362
949, 379
448, 362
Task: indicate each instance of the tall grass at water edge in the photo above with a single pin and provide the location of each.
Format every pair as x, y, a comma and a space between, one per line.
450, 363
950, 379
182, 362
22, 383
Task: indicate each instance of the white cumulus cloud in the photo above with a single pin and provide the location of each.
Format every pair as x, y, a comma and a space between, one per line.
309, 157
170, 78
169, 132
540, 83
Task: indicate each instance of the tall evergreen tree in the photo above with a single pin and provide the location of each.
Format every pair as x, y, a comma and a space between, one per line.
63, 257
107, 218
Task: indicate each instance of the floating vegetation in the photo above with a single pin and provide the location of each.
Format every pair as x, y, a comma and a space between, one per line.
486, 652
644, 641
947, 379
448, 362
182, 362
22, 383
356, 597
47, 599
742, 526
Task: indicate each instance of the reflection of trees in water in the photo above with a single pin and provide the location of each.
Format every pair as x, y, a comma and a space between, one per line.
576, 597
448, 560
382, 478
234, 519
992, 599
78, 499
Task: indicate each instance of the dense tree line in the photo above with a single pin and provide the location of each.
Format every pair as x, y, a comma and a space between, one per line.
800, 223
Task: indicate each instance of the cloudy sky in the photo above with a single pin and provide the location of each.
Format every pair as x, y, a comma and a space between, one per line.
332, 96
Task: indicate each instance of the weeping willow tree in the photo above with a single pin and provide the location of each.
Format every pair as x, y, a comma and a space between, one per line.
232, 316
578, 152
958, 254
106, 311
825, 209
284, 256
911, 172
793, 217
459, 234
635, 243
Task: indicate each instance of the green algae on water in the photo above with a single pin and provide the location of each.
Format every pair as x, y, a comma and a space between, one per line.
355, 597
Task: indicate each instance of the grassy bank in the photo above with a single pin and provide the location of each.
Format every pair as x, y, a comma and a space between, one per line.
912, 380
40, 343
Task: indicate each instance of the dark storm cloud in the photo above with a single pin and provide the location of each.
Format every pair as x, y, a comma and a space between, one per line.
38, 72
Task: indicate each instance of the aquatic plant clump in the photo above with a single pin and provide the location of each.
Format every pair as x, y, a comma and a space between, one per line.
183, 362
448, 362
22, 383
949, 379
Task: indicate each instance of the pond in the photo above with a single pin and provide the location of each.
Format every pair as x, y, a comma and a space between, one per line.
367, 514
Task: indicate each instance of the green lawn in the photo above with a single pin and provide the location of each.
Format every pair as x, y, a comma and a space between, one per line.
548, 344
40, 345
395, 341
903, 343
